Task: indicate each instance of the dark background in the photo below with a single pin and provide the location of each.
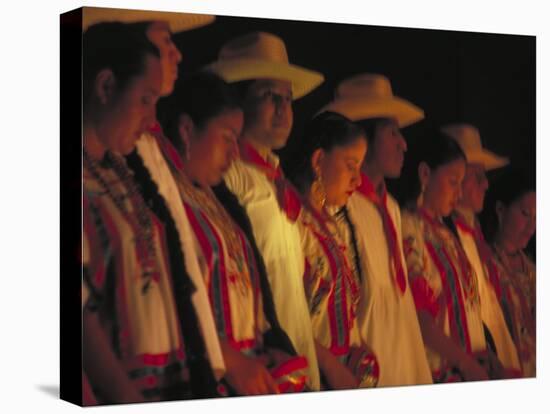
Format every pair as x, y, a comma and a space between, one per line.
484, 79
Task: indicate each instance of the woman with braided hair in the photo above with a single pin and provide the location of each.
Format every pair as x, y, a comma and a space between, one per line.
203, 120
326, 173
133, 342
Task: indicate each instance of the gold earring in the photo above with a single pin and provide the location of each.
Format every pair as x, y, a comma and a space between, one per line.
317, 190
420, 199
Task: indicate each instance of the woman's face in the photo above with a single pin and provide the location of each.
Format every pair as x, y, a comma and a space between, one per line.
213, 148
341, 170
443, 187
127, 113
518, 220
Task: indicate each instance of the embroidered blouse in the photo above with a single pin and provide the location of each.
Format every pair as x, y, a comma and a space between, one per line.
443, 284
128, 283
332, 289
231, 273
519, 305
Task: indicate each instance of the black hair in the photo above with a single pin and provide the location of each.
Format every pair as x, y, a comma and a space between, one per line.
435, 149
201, 95
275, 337
116, 46
202, 381
141, 27
325, 131
241, 88
509, 186
369, 126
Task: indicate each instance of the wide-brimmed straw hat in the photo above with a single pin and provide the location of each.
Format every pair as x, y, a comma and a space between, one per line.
369, 95
467, 136
261, 55
178, 22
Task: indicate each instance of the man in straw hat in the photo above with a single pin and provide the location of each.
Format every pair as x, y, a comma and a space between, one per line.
387, 316
474, 186
152, 152
257, 63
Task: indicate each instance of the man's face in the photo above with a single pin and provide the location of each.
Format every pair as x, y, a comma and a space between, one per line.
474, 186
387, 151
159, 34
268, 112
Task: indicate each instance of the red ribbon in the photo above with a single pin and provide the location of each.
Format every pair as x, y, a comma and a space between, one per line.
287, 195
367, 189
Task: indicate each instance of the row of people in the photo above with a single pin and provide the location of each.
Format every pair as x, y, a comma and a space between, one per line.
207, 272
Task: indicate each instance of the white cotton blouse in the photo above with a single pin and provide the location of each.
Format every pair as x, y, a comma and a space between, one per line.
417, 233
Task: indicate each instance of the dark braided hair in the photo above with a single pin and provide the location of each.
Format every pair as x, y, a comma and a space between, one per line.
351, 227
203, 384
276, 337
116, 46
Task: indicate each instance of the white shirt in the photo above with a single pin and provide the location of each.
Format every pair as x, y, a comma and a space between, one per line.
387, 319
155, 162
278, 240
491, 312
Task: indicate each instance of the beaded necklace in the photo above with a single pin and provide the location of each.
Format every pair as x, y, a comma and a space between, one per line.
450, 244
522, 277
322, 224
138, 215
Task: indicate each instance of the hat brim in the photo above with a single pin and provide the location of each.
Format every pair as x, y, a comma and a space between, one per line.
357, 109
177, 22
486, 158
235, 70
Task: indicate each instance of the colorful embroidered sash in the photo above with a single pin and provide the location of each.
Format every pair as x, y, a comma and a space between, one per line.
287, 195
506, 298
396, 265
341, 320
203, 212
457, 280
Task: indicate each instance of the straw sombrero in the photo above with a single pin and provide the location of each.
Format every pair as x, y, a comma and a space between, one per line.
467, 136
178, 22
367, 96
261, 55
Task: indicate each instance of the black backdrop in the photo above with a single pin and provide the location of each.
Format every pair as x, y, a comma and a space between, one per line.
484, 79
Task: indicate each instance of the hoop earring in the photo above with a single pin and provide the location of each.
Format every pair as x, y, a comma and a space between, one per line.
420, 199
317, 191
